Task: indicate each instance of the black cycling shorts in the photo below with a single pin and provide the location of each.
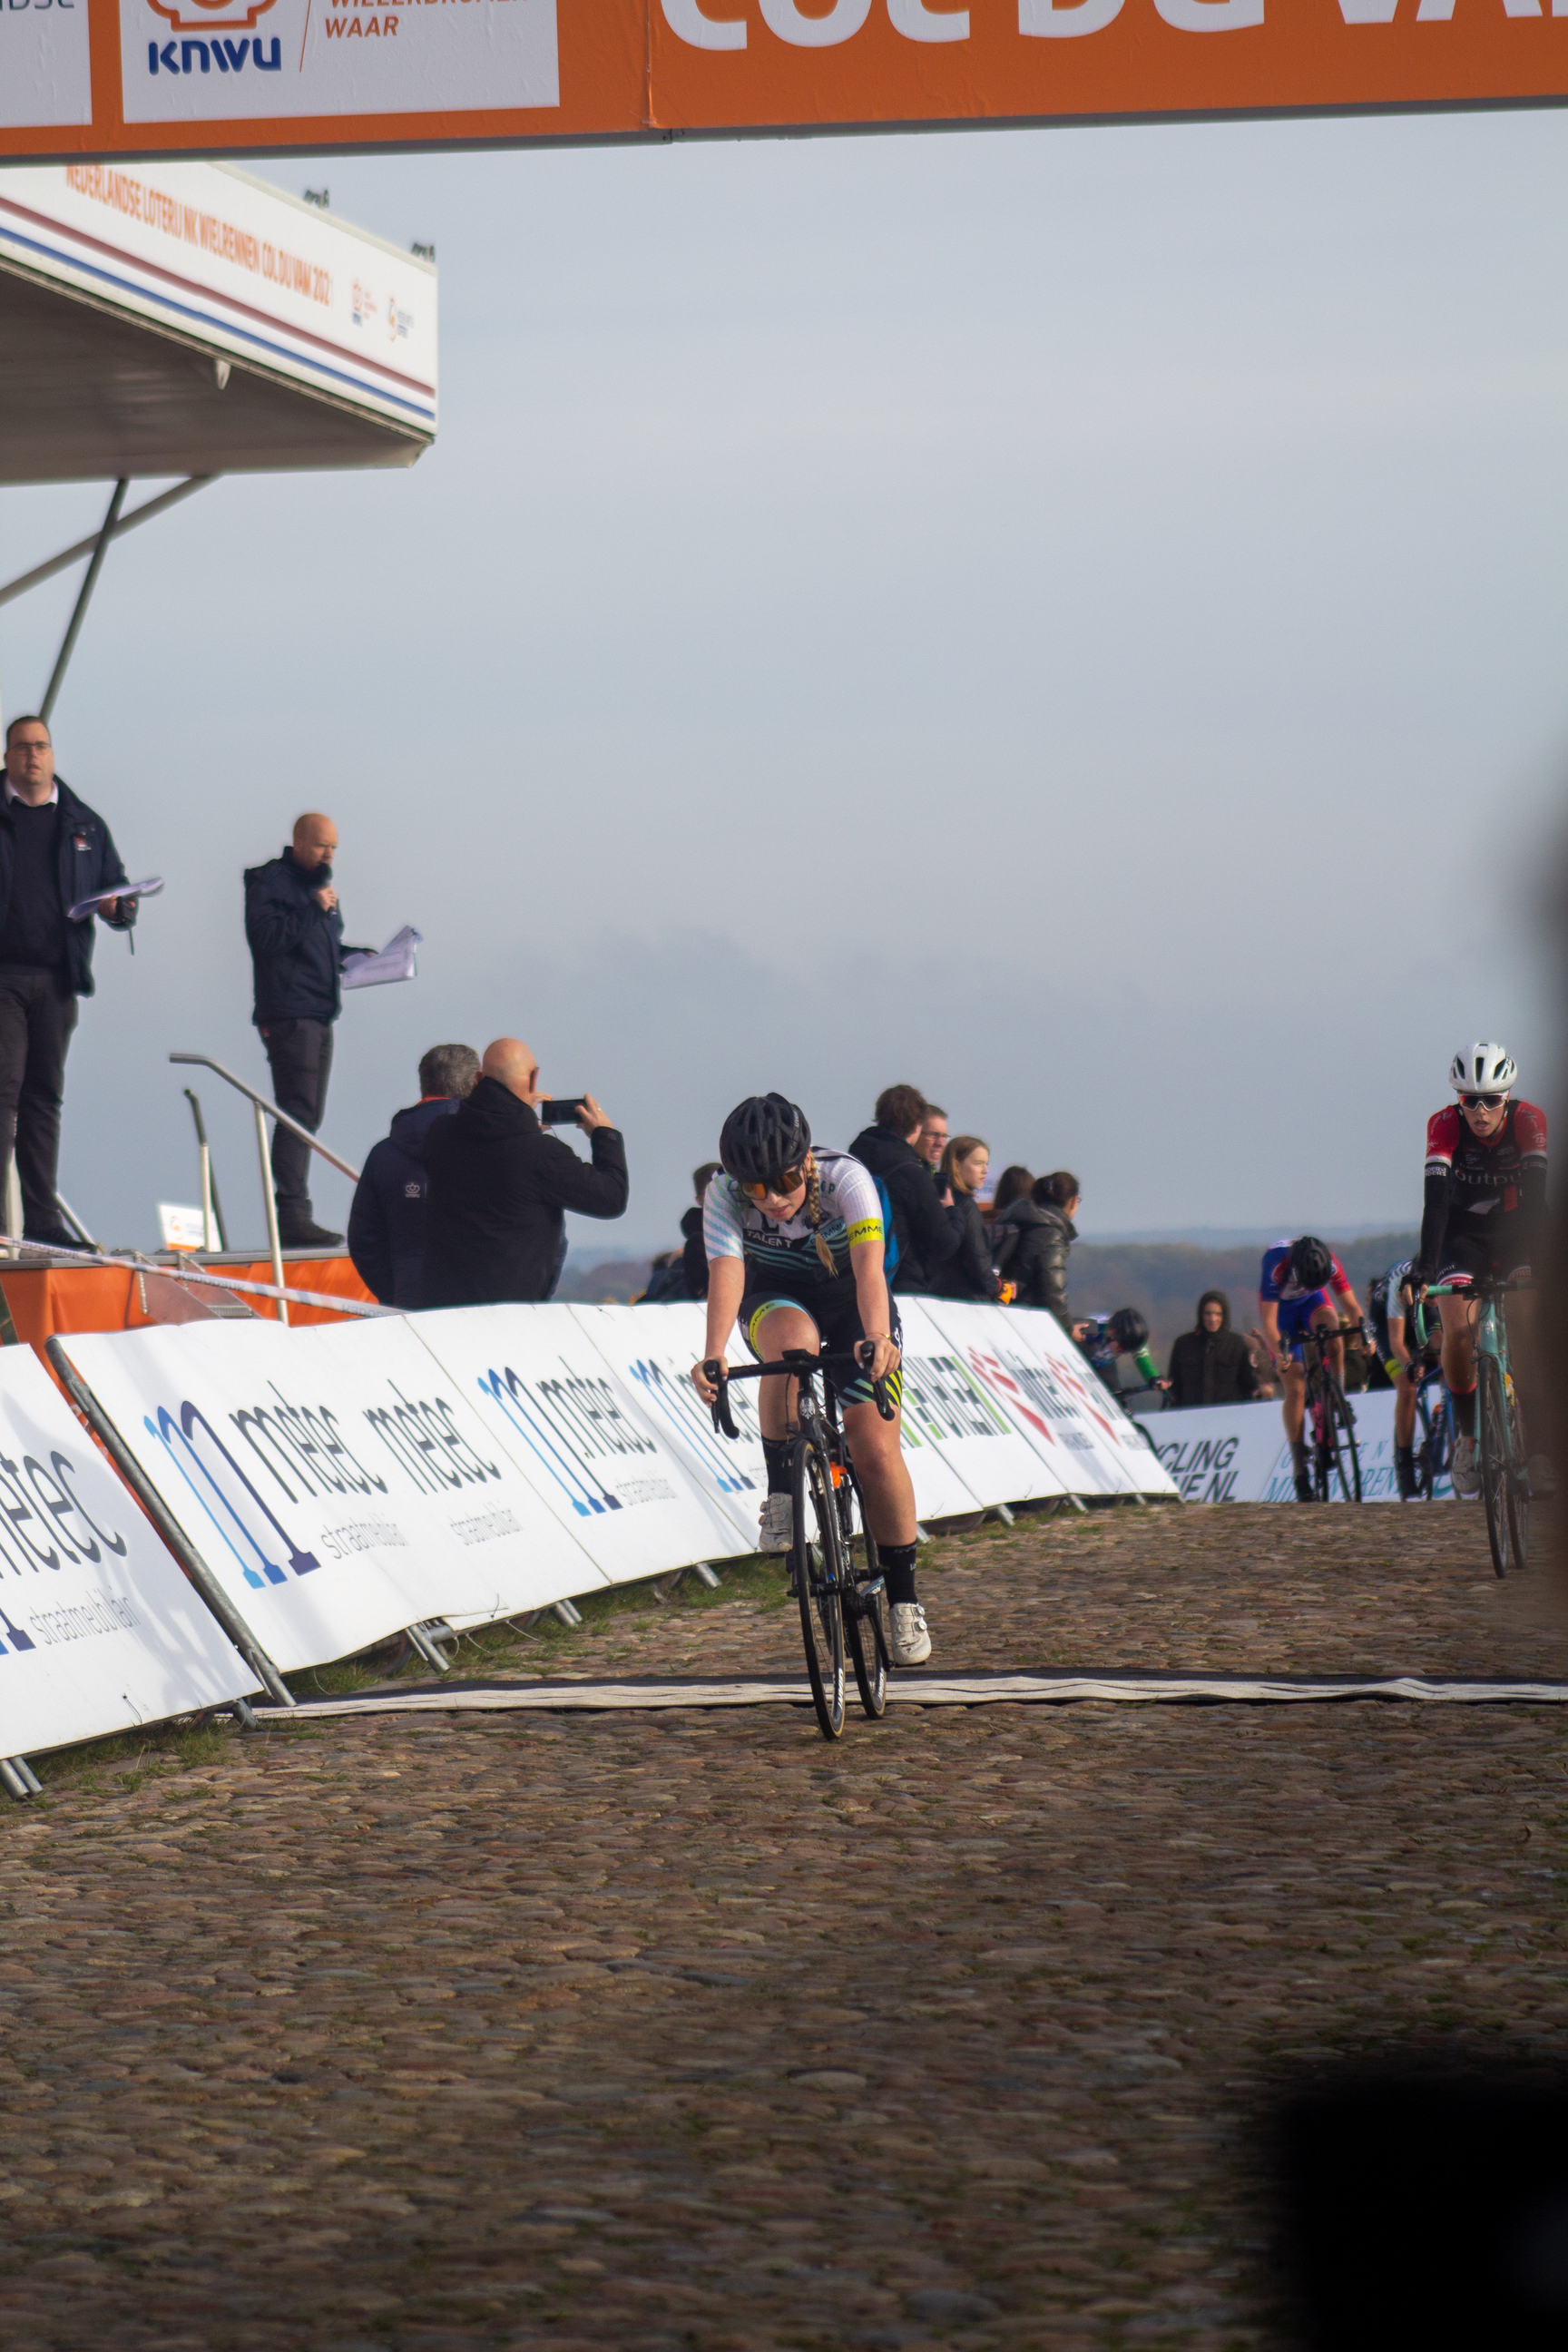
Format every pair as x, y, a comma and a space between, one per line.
1468, 1255
835, 1308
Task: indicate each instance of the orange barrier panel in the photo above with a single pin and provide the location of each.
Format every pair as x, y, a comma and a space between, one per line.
48, 1298
134, 76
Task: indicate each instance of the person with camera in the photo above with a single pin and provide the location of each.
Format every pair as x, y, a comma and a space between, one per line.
500, 1185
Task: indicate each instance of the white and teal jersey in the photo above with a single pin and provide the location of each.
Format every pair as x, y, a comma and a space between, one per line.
786, 1252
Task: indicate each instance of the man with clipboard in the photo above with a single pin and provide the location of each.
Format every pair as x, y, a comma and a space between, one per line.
55, 853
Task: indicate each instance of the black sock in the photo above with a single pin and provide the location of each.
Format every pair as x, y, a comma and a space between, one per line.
897, 1566
1299, 1451
1464, 1411
1406, 1454
776, 1452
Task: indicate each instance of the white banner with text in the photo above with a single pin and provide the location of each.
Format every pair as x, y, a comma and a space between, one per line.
98, 1630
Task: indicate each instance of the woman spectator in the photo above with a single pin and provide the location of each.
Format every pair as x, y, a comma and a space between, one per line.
967, 1274
1014, 1183
1030, 1241
1210, 1364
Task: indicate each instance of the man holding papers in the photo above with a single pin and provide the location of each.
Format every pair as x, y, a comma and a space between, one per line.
296, 936
56, 855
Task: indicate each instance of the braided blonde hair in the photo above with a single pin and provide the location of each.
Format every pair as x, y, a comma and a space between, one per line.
814, 1211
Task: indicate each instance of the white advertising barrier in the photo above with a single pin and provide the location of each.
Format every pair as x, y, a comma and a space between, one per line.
1237, 1454
611, 1477
651, 1350
99, 1628
1029, 1369
964, 1452
293, 1462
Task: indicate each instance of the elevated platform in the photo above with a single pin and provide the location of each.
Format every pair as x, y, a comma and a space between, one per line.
43, 1294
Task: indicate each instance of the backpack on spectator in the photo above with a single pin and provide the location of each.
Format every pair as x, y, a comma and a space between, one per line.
890, 1232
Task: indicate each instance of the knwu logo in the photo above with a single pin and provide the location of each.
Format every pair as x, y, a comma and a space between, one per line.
216, 22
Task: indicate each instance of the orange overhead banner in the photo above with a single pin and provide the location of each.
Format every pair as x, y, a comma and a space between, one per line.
110, 78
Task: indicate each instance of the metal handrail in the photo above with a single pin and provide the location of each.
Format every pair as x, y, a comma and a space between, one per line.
262, 1103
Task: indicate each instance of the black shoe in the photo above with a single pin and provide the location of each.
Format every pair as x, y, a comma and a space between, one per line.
1404, 1472
1304, 1489
50, 1237
305, 1236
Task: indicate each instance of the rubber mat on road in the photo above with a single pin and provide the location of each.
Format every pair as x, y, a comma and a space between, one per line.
1000, 1689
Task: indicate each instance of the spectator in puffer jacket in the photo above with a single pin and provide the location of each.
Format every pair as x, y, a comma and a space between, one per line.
968, 1273
1030, 1241
1013, 1183
924, 1227
386, 1222
1210, 1364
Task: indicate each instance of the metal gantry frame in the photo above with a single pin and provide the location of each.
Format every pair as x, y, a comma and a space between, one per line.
113, 526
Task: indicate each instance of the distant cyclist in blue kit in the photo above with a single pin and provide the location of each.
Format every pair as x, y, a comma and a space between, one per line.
1302, 1288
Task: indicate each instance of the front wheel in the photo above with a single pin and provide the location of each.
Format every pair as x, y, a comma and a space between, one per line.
816, 1578
1492, 1434
1338, 1464
1518, 1479
866, 1615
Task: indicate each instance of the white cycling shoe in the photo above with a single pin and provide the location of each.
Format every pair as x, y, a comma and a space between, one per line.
910, 1641
1462, 1470
777, 1531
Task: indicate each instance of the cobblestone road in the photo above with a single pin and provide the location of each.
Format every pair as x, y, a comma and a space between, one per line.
686, 2030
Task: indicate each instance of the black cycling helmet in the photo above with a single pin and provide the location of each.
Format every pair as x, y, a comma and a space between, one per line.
1312, 1262
762, 1137
1127, 1330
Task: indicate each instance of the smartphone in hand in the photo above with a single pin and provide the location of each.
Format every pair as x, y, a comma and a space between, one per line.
561, 1110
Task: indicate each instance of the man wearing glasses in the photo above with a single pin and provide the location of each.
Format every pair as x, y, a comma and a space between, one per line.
1484, 1215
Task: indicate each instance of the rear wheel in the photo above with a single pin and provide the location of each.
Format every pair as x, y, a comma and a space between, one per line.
817, 1577
866, 1614
1491, 1434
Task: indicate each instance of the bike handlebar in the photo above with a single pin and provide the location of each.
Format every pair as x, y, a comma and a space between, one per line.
796, 1363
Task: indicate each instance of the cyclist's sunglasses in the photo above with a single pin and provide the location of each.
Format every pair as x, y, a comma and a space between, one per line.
1483, 1102
784, 1181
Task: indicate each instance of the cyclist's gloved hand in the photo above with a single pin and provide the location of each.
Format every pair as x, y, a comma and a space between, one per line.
1416, 1280
882, 1354
701, 1381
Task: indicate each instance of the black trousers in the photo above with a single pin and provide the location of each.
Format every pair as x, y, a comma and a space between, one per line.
300, 1053
38, 1013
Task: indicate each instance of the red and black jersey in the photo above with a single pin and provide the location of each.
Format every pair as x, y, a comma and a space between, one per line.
1474, 1182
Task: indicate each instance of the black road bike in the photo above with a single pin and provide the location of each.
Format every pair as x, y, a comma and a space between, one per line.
1335, 1463
842, 1600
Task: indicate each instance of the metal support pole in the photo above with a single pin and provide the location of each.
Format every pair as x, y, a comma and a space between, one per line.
100, 548
63, 561
212, 1207
168, 1527
1005, 1515
1078, 1504
13, 1200
75, 1222
567, 1614
11, 1780
428, 1650
271, 1198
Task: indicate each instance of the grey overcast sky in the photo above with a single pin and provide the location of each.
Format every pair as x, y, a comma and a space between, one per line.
1073, 618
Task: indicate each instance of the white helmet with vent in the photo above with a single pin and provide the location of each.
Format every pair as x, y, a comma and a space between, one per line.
1483, 1068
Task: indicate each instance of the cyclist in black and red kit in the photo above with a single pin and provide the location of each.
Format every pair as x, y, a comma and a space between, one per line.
1485, 1213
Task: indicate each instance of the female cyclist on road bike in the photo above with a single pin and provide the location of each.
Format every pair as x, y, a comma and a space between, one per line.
1484, 1213
795, 1252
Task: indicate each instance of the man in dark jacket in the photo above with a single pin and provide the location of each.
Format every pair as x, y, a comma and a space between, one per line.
54, 852
295, 933
927, 1232
1210, 1364
495, 1227
386, 1224
1030, 1241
